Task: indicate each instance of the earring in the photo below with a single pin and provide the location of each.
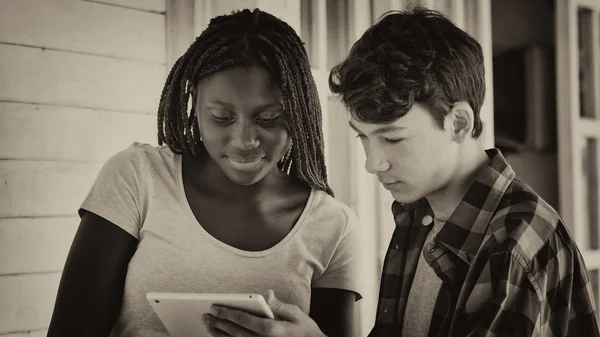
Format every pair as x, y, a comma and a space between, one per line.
286, 162
289, 168
195, 128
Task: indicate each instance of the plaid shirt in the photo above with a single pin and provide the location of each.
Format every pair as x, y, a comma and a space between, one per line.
508, 265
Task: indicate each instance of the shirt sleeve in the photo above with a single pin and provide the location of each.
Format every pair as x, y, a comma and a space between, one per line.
116, 192
560, 275
343, 269
550, 297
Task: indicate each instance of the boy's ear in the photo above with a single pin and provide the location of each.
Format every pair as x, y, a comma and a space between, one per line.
462, 119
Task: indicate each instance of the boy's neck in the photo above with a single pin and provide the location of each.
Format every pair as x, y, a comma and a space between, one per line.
444, 201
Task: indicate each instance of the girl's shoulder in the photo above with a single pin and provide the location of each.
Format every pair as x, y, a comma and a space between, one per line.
331, 212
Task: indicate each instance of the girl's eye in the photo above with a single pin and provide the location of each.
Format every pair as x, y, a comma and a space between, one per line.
270, 120
224, 119
393, 141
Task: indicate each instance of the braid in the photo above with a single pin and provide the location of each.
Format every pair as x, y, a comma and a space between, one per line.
241, 39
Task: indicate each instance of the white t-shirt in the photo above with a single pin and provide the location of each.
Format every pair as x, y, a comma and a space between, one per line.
140, 190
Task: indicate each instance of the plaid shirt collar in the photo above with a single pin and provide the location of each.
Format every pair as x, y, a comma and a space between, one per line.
464, 231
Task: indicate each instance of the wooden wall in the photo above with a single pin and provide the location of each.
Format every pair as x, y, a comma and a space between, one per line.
80, 80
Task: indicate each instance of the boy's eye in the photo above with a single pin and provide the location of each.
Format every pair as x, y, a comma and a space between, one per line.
393, 141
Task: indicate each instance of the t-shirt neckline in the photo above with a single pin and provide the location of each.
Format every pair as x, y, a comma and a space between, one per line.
225, 246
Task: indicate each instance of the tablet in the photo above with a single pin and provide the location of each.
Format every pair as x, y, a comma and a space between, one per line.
181, 313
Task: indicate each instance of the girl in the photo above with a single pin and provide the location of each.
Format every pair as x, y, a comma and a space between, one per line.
234, 199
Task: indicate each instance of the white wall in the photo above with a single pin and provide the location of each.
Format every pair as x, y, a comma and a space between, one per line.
80, 80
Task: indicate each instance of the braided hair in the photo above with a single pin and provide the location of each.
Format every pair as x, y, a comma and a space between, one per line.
242, 39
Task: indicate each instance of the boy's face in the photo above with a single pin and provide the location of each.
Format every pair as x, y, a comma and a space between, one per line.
411, 157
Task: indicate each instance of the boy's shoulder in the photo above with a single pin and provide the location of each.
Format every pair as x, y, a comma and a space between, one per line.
524, 224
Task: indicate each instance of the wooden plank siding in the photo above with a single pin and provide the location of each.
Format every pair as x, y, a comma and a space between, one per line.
157, 6
56, 133
80, 81
33, 75
84, 27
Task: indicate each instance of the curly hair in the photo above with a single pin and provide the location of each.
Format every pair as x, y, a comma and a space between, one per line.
408, 57
241, 39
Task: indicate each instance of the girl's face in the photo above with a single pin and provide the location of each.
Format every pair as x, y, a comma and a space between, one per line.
242, 122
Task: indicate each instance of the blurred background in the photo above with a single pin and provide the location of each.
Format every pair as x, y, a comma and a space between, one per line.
80, 81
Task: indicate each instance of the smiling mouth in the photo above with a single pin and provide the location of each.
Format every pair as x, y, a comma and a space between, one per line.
245, 164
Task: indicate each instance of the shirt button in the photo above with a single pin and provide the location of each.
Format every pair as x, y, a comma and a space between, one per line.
397, 246
427, 220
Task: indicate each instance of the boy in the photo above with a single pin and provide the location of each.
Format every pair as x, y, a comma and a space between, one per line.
475, 252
